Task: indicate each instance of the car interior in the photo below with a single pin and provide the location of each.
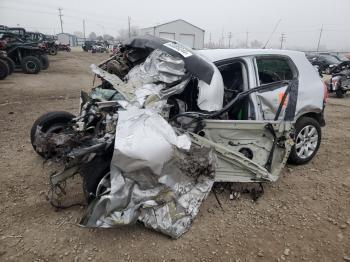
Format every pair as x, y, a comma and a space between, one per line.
235, 81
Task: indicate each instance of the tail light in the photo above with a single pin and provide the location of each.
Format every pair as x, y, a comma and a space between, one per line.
3, 44
334, 83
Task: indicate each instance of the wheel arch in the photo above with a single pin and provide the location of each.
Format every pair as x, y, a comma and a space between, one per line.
317, 116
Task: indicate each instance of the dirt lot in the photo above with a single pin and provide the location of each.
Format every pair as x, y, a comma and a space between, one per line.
305, 216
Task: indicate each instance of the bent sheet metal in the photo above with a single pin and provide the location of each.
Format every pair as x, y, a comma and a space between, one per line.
156, 177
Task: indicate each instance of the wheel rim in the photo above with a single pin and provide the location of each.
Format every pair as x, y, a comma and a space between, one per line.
306, 142
104, 186
31, 65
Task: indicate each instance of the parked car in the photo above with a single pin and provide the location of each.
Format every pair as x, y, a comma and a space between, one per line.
325, 62
341, 57
249, 105
99, 48
87, 46
339, 82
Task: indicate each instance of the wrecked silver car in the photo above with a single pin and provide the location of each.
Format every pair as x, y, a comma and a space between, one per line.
164, 125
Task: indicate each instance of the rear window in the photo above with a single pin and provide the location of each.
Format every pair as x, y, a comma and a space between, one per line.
273, 69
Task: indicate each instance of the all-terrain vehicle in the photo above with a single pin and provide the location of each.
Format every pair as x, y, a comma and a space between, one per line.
49, 45
63, 47
7, 66
31, 59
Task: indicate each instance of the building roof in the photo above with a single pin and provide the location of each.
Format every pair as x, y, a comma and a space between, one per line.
173, 22
222, 54
66, 34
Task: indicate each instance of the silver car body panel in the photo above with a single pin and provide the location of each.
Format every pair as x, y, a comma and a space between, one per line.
311, 89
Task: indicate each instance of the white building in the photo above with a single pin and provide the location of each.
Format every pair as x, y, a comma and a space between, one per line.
178, 30
67, 39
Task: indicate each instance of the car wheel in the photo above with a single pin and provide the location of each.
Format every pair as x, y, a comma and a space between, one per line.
52, 51
31, 65
44, 62
307, 140
95, 176
52, 122
4, 69
10, 64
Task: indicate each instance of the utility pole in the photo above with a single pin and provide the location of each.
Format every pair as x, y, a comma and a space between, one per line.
229, 39
246, 39
283, 38
319, 39
84, 29
60, 15
129, 20
210, 46
222, 45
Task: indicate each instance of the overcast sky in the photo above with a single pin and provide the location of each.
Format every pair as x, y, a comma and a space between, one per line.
301, 20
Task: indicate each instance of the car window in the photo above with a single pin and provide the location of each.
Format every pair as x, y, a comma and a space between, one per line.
273, 69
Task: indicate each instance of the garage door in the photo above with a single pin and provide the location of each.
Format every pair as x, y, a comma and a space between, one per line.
187, 39
167, 35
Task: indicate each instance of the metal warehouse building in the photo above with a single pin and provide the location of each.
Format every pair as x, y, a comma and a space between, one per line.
178, 30
67, 39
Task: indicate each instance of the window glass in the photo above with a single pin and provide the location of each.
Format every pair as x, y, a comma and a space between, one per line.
273, 70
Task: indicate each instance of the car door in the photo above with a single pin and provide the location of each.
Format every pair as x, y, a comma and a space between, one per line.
252, 150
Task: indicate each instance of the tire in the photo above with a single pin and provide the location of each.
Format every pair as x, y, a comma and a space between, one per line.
31, 65
339, 93
305, 148
4, 69
52, 51
92, 173
44, 62
50, 122
10, 63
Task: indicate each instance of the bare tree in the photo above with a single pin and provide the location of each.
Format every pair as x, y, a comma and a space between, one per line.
107, 37
92, 36
124, 33
256, 44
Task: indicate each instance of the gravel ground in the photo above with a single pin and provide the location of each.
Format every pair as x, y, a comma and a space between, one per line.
305, 216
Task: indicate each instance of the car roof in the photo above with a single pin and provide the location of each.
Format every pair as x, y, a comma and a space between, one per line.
215, 55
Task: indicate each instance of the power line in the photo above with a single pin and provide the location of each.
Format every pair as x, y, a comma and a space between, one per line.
60, 15
26, 10
273, 31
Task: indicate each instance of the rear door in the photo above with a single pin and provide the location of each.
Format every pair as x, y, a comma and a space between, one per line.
271, 69
254, 150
